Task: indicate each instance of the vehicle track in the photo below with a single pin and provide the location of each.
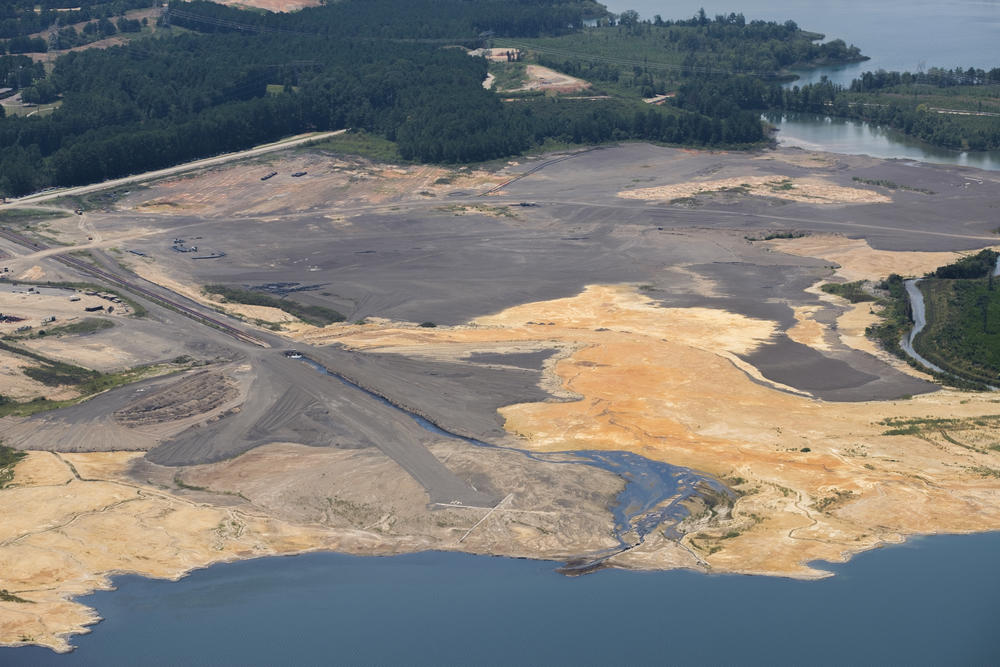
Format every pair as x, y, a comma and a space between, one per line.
131, 286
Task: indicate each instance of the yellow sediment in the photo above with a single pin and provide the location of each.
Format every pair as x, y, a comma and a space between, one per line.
859, 261
813, 190
662, 382
64, 533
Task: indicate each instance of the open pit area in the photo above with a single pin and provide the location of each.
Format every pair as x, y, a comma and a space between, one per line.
515, 349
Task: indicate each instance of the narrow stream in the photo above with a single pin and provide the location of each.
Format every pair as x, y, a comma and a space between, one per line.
919, 312
919, 322
653, 494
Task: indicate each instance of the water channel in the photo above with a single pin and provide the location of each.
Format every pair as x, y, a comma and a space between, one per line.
651, 500
930, 601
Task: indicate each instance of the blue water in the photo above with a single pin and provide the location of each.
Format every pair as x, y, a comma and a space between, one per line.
896, 34
931, 601
901, 35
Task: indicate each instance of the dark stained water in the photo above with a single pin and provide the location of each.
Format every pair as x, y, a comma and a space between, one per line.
931, 601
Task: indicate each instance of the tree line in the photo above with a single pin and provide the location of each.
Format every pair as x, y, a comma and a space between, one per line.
167, 99
19, 20
903, 102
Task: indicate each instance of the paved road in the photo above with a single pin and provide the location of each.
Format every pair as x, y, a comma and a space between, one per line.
170, 171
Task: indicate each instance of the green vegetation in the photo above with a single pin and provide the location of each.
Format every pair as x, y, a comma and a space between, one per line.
21, 20
8, 459
359, 142
508, 76
22, 215
957, 109
962, 334
84, 381
7, 596
648, 58
853, 292
181, 484
223, 79
979, 434
963, 328
979, 265
895, 316
85, 326
316, 315
891, 185
50, 372
838, 498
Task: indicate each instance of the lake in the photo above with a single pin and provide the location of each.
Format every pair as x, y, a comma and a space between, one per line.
933, 600
896, 35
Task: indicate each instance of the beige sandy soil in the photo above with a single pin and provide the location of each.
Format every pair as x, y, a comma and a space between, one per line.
812, 190
665, 383
859, 261
496, 54
272, 5
115, 40
16, 385
855, 260
73, 520
543, 78
35, 307
330, 182
154, 273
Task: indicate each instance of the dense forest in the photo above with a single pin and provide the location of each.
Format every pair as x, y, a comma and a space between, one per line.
21, 20
653, 57
214, 79
963, 319
182, 95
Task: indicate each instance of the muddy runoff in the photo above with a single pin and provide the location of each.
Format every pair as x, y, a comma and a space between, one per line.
817, 480
656, 497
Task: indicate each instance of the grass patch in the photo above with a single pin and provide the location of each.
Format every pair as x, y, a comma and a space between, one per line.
770, 236
50, 372
838, 498
463, 209
22, 215
7, 596
319, 316
8, 459
181, 484
508, 76
361, 143
853, 292
85, 326
86, 382
891, 185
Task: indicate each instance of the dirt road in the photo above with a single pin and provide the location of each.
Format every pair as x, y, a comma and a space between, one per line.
172, 171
